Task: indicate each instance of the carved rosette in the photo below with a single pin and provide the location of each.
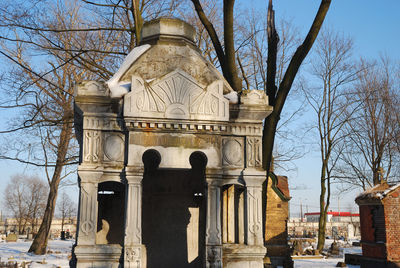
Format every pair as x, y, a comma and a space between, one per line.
253, 152
232, 152
113, 147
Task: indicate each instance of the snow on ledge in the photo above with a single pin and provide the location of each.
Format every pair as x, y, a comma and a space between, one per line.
119, 89
232, 97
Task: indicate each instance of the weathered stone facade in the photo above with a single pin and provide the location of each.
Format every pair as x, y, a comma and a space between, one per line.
380, 229
170, 141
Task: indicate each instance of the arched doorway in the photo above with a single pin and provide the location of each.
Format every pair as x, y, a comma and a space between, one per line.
174, 212
111, 210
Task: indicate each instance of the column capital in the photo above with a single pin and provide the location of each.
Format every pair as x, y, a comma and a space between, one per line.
214, 172
134, 174
92, 176
253, 177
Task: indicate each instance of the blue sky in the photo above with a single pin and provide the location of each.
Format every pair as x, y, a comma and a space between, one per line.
374, 26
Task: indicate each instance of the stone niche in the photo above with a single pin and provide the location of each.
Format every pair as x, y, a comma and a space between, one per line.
170, 161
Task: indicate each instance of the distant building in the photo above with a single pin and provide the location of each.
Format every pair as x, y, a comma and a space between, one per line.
333, 216
339, 224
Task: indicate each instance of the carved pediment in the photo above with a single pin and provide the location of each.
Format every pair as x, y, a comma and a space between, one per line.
176, 95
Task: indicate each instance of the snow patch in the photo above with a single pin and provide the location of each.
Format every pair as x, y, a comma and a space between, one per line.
232, 97
119, 89
390, 189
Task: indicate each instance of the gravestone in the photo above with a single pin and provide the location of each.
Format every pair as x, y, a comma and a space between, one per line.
171, 159
12, 237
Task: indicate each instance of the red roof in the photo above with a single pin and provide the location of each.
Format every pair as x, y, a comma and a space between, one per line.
283, 185
335, 213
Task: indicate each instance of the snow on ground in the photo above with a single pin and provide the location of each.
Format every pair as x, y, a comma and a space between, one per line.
59, 252
329, 261
320, 263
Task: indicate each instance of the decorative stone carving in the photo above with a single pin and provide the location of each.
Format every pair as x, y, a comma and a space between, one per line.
176, 95
134, 217
101, 123
254, 203
243, 129
254, 152
213, 232
88, 213
214, 256
254, 97
189, 128
232, 152
91, 146
91, 88
133, 256
113, 147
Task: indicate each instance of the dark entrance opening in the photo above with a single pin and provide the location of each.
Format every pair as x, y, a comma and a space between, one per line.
111, 208
174, 213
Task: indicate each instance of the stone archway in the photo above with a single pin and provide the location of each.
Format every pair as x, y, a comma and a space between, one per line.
174, 212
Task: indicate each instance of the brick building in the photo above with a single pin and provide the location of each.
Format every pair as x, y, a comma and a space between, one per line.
277, 214
380, 226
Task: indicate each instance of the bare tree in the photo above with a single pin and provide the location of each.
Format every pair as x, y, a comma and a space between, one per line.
227, 59
333, 68
66, 208
25, 198
43, 95
14, 200
36, 201
370, 147
69, 46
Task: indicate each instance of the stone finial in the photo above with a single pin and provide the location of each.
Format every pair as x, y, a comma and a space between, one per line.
253, 97
169, 28
91, 88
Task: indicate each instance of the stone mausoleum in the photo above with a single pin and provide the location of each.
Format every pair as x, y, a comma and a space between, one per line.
170, 161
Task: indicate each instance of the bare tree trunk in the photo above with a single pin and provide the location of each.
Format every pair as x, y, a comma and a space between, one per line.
39, 244
323, 205
279, 99
233, 77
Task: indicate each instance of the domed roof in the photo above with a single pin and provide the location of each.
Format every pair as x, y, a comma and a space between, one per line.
167, 45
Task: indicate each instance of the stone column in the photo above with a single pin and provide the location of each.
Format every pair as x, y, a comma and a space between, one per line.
88, 208
254, 215
213, 231
134, 252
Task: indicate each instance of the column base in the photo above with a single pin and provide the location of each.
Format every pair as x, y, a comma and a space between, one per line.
135, 256
213, 258
243, 256
104, 256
